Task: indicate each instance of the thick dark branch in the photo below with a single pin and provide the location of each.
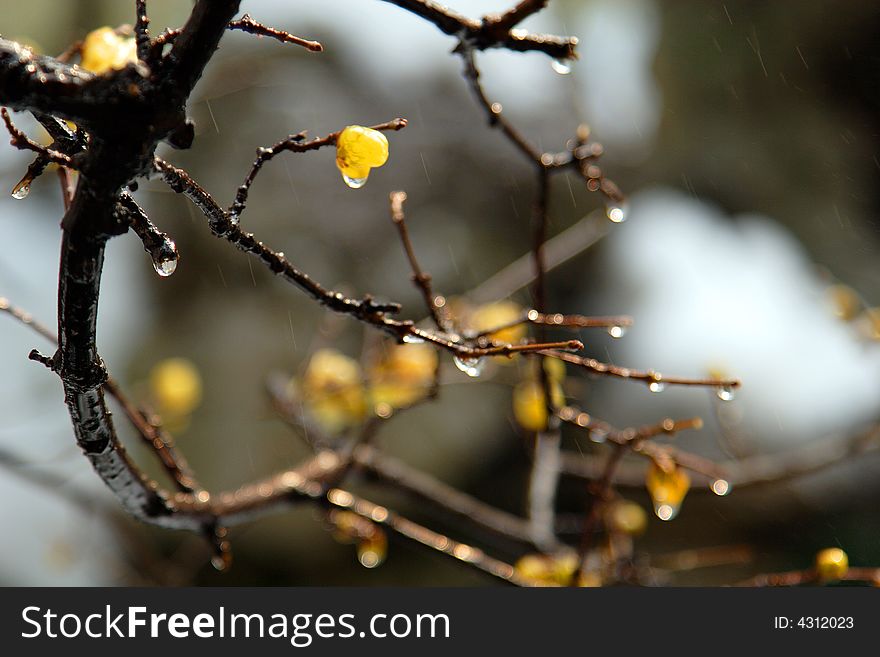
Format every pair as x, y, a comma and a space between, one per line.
43, 84
196, 43
501, 24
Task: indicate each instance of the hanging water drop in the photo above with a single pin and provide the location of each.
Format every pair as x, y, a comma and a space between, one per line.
666, 511
725, 393
473, 367
165, 258
22, 189
616, 331
616, 212
354, 183
598, 435
667, 489
721, 487
656, 386
561, 66
409, 338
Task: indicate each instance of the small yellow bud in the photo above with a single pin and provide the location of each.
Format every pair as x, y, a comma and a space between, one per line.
497, 314
176, 386
845, 302
359, 149
403, 376
372, 551
667, 489
530, 405
103, 50
547, 569
333, 390
831, 563
627, 518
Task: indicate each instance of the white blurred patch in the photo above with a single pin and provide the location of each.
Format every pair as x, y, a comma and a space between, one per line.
48, 539
741, 296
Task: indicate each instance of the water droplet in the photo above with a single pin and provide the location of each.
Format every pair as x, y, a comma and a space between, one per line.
725, 393
354, 183
616, 212
616, 331
656, 386
561, 66
473, 367
165, 258
666, 511
409, 338
721, 487
598, 435
22, 189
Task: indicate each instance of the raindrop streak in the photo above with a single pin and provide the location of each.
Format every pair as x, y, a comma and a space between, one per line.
354, 183
725, 393
561, 66
721, 487
22, 189
165, 258
409, 338
616, 331
656, 386
616, 213
473, 367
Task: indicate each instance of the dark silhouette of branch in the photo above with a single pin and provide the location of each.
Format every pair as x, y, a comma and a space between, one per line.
488, 33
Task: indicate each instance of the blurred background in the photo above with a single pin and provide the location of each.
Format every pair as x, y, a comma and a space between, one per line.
745, 134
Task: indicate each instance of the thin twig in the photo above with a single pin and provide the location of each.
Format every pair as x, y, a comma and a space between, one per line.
421, 278
655, 380
249, 25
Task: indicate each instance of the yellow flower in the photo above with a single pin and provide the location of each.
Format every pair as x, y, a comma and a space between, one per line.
547, 569
176, 386
626, 517
403, 376
497, 314
333, 391
103, 50
831, 563
359, 149
667, 489
530, 405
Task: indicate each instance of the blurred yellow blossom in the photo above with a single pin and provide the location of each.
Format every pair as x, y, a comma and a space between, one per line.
403, 375
333, 390
176, 387
103, 50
